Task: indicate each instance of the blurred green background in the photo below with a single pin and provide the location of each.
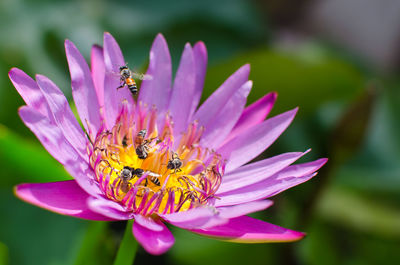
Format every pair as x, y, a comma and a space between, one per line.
338, 60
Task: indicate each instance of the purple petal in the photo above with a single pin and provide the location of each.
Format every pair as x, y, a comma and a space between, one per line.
55, 143
98, 72
200, 60
85, 177
258, 171
226, 118
51, 137
287, 178
157, 90
253, 115
230, 212
29, 91
63, 115
113, 97
211, 107
183, 91
83, 90
202, 217
64, 197
248, 230
148, 222
108, 208
245, 147
154, 242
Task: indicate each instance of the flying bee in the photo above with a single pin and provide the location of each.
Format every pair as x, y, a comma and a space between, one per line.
175, 163
142, 144
126, 77
127, 173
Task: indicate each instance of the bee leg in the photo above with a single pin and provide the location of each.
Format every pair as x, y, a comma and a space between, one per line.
122, 85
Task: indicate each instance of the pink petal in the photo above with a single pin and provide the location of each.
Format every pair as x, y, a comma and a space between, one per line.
55, 143
98, 72
149, 223
29, 91
64, 197
83, 90
63, 115
211, 107
245, 147
201, 217
84, 176
226, 118
248, 230
157, 90
230, 212
287, 178
183, 91
51, 137
258, 171
253, 115
108, 208
200, 60
154, 242
113, 97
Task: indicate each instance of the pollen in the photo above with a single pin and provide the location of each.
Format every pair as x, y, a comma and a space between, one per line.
147, 172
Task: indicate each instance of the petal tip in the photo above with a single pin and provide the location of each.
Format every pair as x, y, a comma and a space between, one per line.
160, 37
200, 45
160, 41
323, 161
246, 67
13, 71
70, 47
20, 191
107, 36
274, 95
97, 47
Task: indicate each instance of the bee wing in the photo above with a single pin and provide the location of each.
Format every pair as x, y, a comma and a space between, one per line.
149, 173
142, 76
117, 75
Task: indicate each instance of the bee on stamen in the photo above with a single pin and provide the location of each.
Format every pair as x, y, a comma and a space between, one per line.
127, 173
153, 177
142, 144
125, 141
175, 163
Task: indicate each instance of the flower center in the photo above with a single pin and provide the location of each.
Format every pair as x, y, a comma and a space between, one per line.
138, 166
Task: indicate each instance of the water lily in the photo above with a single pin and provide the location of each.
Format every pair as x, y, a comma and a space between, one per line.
157, 157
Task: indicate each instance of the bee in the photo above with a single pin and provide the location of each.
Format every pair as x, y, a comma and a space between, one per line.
127, 173
154, 178
125, 141
175, 163
142, 144
126, 77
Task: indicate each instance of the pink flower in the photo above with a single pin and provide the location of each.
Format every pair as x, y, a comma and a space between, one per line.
190, 170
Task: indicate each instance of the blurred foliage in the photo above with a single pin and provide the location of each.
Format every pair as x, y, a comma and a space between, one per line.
26, 161
355, 218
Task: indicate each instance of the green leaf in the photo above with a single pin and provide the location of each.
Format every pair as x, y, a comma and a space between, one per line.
24, 161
